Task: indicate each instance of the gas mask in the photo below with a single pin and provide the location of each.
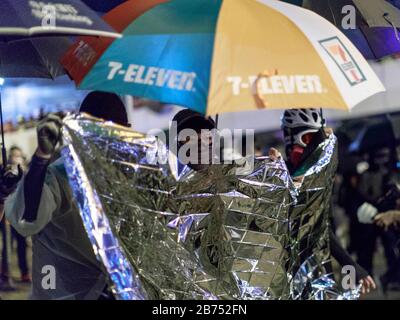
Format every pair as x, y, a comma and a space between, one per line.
296, 141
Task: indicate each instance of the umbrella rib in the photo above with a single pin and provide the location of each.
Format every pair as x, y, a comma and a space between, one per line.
333, 15
10, 31
43, 61
387, 18
368, 42
168, 42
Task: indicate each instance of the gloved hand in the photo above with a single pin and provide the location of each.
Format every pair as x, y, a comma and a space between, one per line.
387, 219
366, 213
9, 178
49, 134
274, 154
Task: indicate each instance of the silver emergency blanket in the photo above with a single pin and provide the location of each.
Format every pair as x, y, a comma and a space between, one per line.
210, 234
310, 221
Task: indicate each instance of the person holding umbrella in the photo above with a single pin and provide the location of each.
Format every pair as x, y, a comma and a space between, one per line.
43, 207
199, 127
304, 134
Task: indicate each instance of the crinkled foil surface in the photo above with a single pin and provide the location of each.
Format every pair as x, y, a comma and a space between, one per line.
310, 217
199, 235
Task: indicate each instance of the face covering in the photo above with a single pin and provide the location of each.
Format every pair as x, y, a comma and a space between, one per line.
201, 151
295, 155
205, 155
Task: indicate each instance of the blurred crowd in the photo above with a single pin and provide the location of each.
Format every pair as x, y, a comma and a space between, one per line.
30, 122
369, 194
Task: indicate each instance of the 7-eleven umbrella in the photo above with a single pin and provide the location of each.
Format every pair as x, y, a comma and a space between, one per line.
226, 55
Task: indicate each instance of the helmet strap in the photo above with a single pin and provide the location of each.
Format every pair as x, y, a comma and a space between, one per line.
322, 118
291, 137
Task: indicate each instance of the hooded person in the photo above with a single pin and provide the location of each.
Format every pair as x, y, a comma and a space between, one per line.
308, 144
206, 194
192, 141
64, 265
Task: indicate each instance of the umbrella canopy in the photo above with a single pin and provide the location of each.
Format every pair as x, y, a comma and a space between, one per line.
33, 57
375, 136
29, 47
88, 50
32, 37
23, 18
103, 6
375, 35
223, 56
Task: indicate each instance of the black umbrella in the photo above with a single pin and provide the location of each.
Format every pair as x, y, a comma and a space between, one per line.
35, 34
103, 6
374, 136
377, 21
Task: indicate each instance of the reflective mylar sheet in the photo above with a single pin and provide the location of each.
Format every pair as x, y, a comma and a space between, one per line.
310, 220
198, 235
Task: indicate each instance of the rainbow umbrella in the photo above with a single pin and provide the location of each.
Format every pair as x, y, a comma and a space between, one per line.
216, 56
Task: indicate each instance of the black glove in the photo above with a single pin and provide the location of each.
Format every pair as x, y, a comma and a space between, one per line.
49, 133
9, 178
389, 201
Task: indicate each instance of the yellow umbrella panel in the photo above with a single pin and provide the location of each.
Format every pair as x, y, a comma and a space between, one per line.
270, 54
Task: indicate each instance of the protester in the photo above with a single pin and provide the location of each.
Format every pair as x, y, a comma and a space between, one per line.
199, 135
304, 131
43, 207
17, 158
9, 179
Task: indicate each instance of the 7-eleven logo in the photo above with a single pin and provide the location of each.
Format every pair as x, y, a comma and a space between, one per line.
343, 59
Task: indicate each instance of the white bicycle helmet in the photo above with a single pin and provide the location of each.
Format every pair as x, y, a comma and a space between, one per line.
300, 122
294, 118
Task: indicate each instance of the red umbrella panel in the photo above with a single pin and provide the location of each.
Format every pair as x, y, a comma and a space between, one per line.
86, 51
